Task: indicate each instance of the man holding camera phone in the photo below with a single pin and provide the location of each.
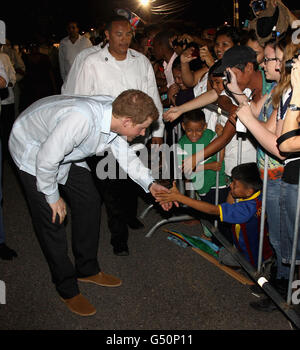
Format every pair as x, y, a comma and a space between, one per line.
242, 60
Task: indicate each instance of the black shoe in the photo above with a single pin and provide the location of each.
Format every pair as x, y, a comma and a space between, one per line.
121, 251
135, 224
7, 253
265, 305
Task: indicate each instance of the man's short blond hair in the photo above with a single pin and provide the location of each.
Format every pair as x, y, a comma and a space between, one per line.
136, 105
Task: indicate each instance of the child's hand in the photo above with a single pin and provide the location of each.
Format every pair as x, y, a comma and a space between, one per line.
215, 166
172, 196
219, 129
189, 164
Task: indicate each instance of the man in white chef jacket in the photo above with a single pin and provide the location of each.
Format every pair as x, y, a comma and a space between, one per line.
49, 143
111, 70
70, 47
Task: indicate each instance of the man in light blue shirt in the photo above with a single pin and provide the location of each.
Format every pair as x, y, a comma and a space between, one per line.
49, 143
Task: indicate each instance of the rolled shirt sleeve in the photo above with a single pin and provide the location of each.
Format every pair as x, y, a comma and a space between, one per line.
131, 163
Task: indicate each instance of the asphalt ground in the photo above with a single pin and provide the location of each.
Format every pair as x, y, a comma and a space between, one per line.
165, 286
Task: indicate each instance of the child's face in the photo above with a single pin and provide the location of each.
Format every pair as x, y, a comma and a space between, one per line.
217, 84
194, 130
239, 190
178, 78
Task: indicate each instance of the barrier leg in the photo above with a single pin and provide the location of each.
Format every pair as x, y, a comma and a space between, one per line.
263, 214
294, 250
261, 280
217, 187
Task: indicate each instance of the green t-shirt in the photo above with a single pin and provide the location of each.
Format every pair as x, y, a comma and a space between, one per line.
203, 181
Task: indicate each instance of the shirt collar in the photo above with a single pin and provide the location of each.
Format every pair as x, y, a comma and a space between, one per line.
130, 54
255, 195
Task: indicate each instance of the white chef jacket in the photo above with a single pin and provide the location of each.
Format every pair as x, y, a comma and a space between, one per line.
69, 84
249, 149
4, 76
99, 73
59, 130
68, 51
168, 70
11, 75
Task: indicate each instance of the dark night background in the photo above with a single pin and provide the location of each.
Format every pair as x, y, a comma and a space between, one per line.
25, 20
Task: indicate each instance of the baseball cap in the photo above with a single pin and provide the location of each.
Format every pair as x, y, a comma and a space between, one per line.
238, 54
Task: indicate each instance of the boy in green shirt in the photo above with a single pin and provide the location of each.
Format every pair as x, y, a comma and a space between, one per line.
197, 135
204, 179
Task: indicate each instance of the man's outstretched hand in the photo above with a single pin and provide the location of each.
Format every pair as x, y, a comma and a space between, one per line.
156, 189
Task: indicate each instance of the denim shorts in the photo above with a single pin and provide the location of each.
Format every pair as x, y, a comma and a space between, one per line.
288, 206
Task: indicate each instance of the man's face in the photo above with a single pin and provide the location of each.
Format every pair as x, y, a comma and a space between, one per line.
131, 130
73, 29
243, 77
119, 37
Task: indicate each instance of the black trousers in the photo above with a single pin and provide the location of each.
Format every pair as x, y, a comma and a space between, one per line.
120, 197
84, 201
7, 119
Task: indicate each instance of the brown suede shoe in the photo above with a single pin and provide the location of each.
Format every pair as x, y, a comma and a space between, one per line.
80, 305
102, 279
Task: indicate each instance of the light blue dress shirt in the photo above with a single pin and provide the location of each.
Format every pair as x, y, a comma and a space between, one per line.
59, 130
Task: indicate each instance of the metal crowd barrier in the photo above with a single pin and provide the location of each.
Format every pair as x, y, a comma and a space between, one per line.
256, 274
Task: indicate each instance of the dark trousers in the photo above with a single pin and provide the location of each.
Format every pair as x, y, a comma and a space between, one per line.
120, 198
6, 122
85, 204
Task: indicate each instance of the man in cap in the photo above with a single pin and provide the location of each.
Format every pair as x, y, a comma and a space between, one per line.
242, 59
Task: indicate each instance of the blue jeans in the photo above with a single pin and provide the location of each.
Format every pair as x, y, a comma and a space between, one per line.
2, 232
288, 204
273, 215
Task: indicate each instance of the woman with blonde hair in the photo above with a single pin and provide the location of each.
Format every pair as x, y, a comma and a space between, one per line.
267, 135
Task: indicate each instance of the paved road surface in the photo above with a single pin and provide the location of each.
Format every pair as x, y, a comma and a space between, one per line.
165, 286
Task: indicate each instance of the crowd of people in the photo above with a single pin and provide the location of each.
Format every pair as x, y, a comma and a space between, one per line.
143, 85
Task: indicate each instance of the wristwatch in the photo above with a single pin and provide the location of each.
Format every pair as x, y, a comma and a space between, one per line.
294, 107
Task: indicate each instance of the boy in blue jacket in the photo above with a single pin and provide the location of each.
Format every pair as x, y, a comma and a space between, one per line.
242, 209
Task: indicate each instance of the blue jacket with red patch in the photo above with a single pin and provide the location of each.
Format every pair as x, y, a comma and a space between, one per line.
245, 215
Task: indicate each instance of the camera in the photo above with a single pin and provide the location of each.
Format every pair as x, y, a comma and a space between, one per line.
289, 63
258, 5
227, 77
195, 46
